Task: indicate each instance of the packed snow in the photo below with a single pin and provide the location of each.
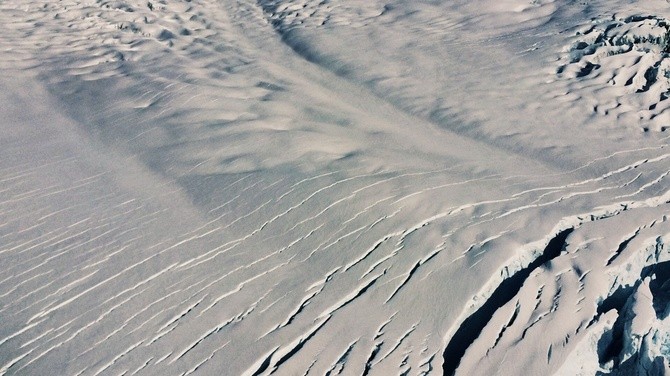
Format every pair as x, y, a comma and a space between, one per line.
323, 187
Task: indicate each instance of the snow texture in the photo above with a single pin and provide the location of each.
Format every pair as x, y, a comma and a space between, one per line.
294, 187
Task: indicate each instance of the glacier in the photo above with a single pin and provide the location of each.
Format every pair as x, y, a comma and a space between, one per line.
294, 187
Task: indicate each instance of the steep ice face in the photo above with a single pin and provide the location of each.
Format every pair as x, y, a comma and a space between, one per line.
631, 339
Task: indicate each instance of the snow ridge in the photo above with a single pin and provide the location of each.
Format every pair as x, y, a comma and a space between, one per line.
318, 187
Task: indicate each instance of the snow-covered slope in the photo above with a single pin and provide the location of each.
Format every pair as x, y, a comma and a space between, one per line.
298, 187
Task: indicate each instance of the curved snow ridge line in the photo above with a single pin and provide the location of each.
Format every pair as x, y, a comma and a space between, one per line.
360, 290
99, 320
303, 303
482, 306
608, 157
200, 339
205, 360
183, 313
236, 242
11, 363
116, 358
341, 362
269, 364
411, 272
90, 324
556, 189
403, 234
266, 362
49, 310
21, 331
242, 267
623, 245
66, 328
242, 284
647, 185
397, 344
367, 187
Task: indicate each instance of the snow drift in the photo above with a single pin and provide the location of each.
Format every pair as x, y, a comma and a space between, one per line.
334, 187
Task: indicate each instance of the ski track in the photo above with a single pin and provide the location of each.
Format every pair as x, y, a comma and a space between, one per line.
205, 187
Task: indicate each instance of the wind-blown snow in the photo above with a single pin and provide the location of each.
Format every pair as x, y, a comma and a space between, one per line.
334, 187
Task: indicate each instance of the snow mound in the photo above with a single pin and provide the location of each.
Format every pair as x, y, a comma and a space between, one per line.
315, 13
625, 60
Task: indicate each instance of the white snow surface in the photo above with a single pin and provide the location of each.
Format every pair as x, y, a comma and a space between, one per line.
294, 187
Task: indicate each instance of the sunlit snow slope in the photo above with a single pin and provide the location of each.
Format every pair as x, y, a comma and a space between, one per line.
293, 187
